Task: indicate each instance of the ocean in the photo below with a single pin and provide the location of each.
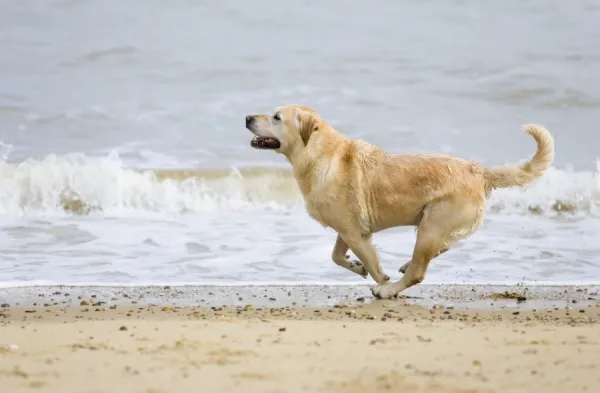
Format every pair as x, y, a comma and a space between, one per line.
124, 159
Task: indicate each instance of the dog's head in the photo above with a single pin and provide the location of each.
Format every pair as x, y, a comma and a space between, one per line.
288, 129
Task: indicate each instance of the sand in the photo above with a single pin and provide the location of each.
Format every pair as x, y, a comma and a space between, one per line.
299, 339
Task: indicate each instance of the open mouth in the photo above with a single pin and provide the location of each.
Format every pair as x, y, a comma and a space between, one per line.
265, 143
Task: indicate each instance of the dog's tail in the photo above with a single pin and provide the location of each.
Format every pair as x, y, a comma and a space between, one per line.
519, 175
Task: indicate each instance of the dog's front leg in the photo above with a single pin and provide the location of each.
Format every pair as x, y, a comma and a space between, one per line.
340, 258
364, 250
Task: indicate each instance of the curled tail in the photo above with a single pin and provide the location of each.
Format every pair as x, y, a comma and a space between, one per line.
519, 175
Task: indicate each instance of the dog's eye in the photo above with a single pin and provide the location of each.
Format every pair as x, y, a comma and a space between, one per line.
277, 117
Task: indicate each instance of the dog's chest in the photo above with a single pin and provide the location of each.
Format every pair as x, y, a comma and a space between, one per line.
323, 204
317, 210
317, 193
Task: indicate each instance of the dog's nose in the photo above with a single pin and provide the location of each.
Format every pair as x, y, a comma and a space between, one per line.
248, 120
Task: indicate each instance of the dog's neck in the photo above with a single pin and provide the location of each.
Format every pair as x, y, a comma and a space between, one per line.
322, 142
307, 161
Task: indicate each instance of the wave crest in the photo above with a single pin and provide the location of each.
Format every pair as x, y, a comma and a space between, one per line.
79, 184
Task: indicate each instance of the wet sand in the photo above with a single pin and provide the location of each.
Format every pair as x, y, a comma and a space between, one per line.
299, 339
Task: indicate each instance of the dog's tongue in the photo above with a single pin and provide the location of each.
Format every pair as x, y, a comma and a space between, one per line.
265, 143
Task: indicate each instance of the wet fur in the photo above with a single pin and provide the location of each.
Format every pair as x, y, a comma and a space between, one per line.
358, 189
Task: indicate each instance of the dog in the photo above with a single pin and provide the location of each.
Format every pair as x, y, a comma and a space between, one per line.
359, 189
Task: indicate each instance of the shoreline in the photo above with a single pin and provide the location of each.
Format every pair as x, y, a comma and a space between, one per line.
460, 296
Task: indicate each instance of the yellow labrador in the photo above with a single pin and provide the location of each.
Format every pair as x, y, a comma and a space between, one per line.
359, 189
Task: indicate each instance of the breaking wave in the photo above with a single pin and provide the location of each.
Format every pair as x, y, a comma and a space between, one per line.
79, 184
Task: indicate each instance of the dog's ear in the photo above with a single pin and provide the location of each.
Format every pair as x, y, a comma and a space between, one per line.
309, 124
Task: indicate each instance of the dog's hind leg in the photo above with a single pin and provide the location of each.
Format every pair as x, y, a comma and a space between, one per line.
405, 266
340, 258
443, 224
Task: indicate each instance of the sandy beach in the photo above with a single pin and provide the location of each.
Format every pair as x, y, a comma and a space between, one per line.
313, 339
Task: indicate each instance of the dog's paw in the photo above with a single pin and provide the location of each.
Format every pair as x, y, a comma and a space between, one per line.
403, 268
358, 268
385, 291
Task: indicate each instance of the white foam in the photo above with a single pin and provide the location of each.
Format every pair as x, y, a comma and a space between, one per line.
103, 184
77, 182
556, 189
